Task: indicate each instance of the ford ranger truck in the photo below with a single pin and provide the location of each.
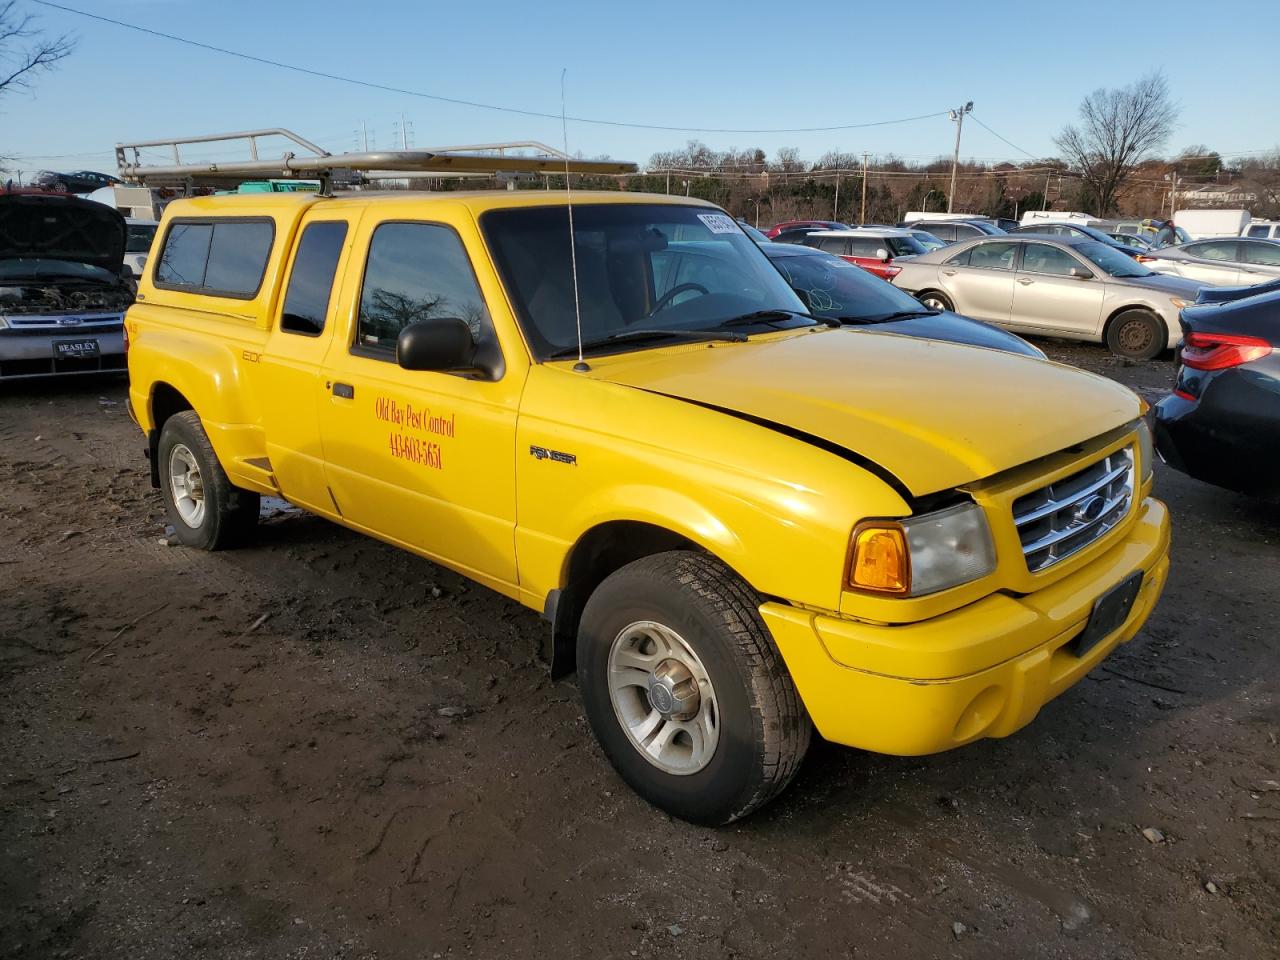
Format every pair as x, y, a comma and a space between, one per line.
742, 524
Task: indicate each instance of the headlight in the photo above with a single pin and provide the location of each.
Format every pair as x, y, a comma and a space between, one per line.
1179, 302
4, 323
921, 555
1145, 452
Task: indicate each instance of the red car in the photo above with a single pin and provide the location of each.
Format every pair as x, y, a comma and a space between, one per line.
873, 249
794, 231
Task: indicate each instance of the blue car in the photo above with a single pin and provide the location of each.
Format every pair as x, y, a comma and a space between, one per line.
838, 290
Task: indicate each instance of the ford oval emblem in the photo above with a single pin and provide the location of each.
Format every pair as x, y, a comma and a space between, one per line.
68, 321
1089, 509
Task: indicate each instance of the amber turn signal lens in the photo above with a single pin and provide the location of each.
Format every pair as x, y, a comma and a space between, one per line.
879, 560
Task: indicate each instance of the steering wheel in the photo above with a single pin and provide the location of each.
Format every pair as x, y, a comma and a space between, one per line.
665, 300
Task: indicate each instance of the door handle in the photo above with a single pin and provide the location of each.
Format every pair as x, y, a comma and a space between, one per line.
344, 390
1025, 281
949, 273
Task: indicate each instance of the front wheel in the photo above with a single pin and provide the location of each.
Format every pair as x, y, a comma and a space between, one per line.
685, 690
1136, 335
205, 509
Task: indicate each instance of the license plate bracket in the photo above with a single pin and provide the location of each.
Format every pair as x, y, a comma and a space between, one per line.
81, 349
1110, 611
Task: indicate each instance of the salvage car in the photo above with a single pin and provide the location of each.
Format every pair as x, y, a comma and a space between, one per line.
874, 249
835, 289
1223, 261
1060, 286
741, 523
1221, 424
63, 289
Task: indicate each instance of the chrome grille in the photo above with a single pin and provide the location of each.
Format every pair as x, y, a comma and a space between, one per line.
1069, 514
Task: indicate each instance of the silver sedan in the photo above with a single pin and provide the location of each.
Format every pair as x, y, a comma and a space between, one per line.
1058, 286
1220, 261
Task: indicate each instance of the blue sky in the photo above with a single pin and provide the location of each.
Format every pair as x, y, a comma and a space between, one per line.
742, 65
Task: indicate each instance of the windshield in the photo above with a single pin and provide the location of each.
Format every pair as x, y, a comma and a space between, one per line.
641, 267
838, 288
140, 237
1111, 260
928, 240
907, 246
21, 268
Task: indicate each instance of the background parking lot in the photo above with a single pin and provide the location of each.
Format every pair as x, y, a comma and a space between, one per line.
323, 746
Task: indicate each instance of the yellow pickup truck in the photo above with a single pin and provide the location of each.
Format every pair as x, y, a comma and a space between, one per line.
742, 523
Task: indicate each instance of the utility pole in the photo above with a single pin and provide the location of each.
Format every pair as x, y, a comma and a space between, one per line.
862, 216
668, 183
1044, 197
958, 116
835, 209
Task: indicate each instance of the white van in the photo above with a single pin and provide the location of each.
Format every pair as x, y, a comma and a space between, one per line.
1262, 230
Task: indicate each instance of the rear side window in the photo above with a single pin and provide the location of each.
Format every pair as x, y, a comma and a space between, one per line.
306, 301
836, 245
1259, 231
221, 258
964, 231
995, 255
416, 271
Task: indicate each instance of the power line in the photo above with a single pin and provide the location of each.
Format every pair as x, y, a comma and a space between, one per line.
467, 103
1002, 139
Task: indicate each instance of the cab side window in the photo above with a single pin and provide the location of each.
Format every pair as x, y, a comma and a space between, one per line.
415, 271
218, 258
306, 301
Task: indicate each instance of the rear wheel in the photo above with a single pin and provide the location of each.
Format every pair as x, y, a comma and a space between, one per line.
685, 690
1136, 335
935, 300
205, 509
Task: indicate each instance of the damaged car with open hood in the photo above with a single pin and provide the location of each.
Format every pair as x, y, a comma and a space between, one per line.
63, 286
743, 523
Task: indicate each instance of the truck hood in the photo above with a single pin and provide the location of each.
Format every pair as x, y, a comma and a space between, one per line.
55, 227
936, 415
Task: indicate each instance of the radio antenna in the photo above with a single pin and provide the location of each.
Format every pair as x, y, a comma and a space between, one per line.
581, 366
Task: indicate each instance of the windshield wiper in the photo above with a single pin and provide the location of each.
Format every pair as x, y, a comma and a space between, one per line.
772, 316
643, 336
888, 317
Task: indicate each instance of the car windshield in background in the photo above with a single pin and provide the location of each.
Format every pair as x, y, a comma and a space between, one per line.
140, 237
839, 289
905, 246
928, 240
641, 268
1111, 259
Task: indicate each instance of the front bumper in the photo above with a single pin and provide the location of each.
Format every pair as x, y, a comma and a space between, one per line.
950, 692
28, 354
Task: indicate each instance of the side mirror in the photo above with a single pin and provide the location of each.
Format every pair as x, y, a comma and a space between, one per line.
1080, 273
439, 344
126, 272
883, 254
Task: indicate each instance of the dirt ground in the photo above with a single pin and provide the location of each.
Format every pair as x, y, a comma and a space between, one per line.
321, 747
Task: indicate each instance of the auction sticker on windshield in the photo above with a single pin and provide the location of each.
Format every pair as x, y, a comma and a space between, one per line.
718, 222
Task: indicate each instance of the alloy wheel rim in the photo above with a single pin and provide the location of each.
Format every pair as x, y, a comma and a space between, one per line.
186, 485
663, 698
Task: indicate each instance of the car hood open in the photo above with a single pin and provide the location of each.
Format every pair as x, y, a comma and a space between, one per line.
39, 227
936, 415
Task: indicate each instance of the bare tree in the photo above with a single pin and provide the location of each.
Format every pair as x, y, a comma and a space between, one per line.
24, 50
1119, 128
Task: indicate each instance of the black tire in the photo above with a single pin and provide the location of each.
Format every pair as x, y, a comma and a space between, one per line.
936, 299
764, 729
229, 513
1137, 335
